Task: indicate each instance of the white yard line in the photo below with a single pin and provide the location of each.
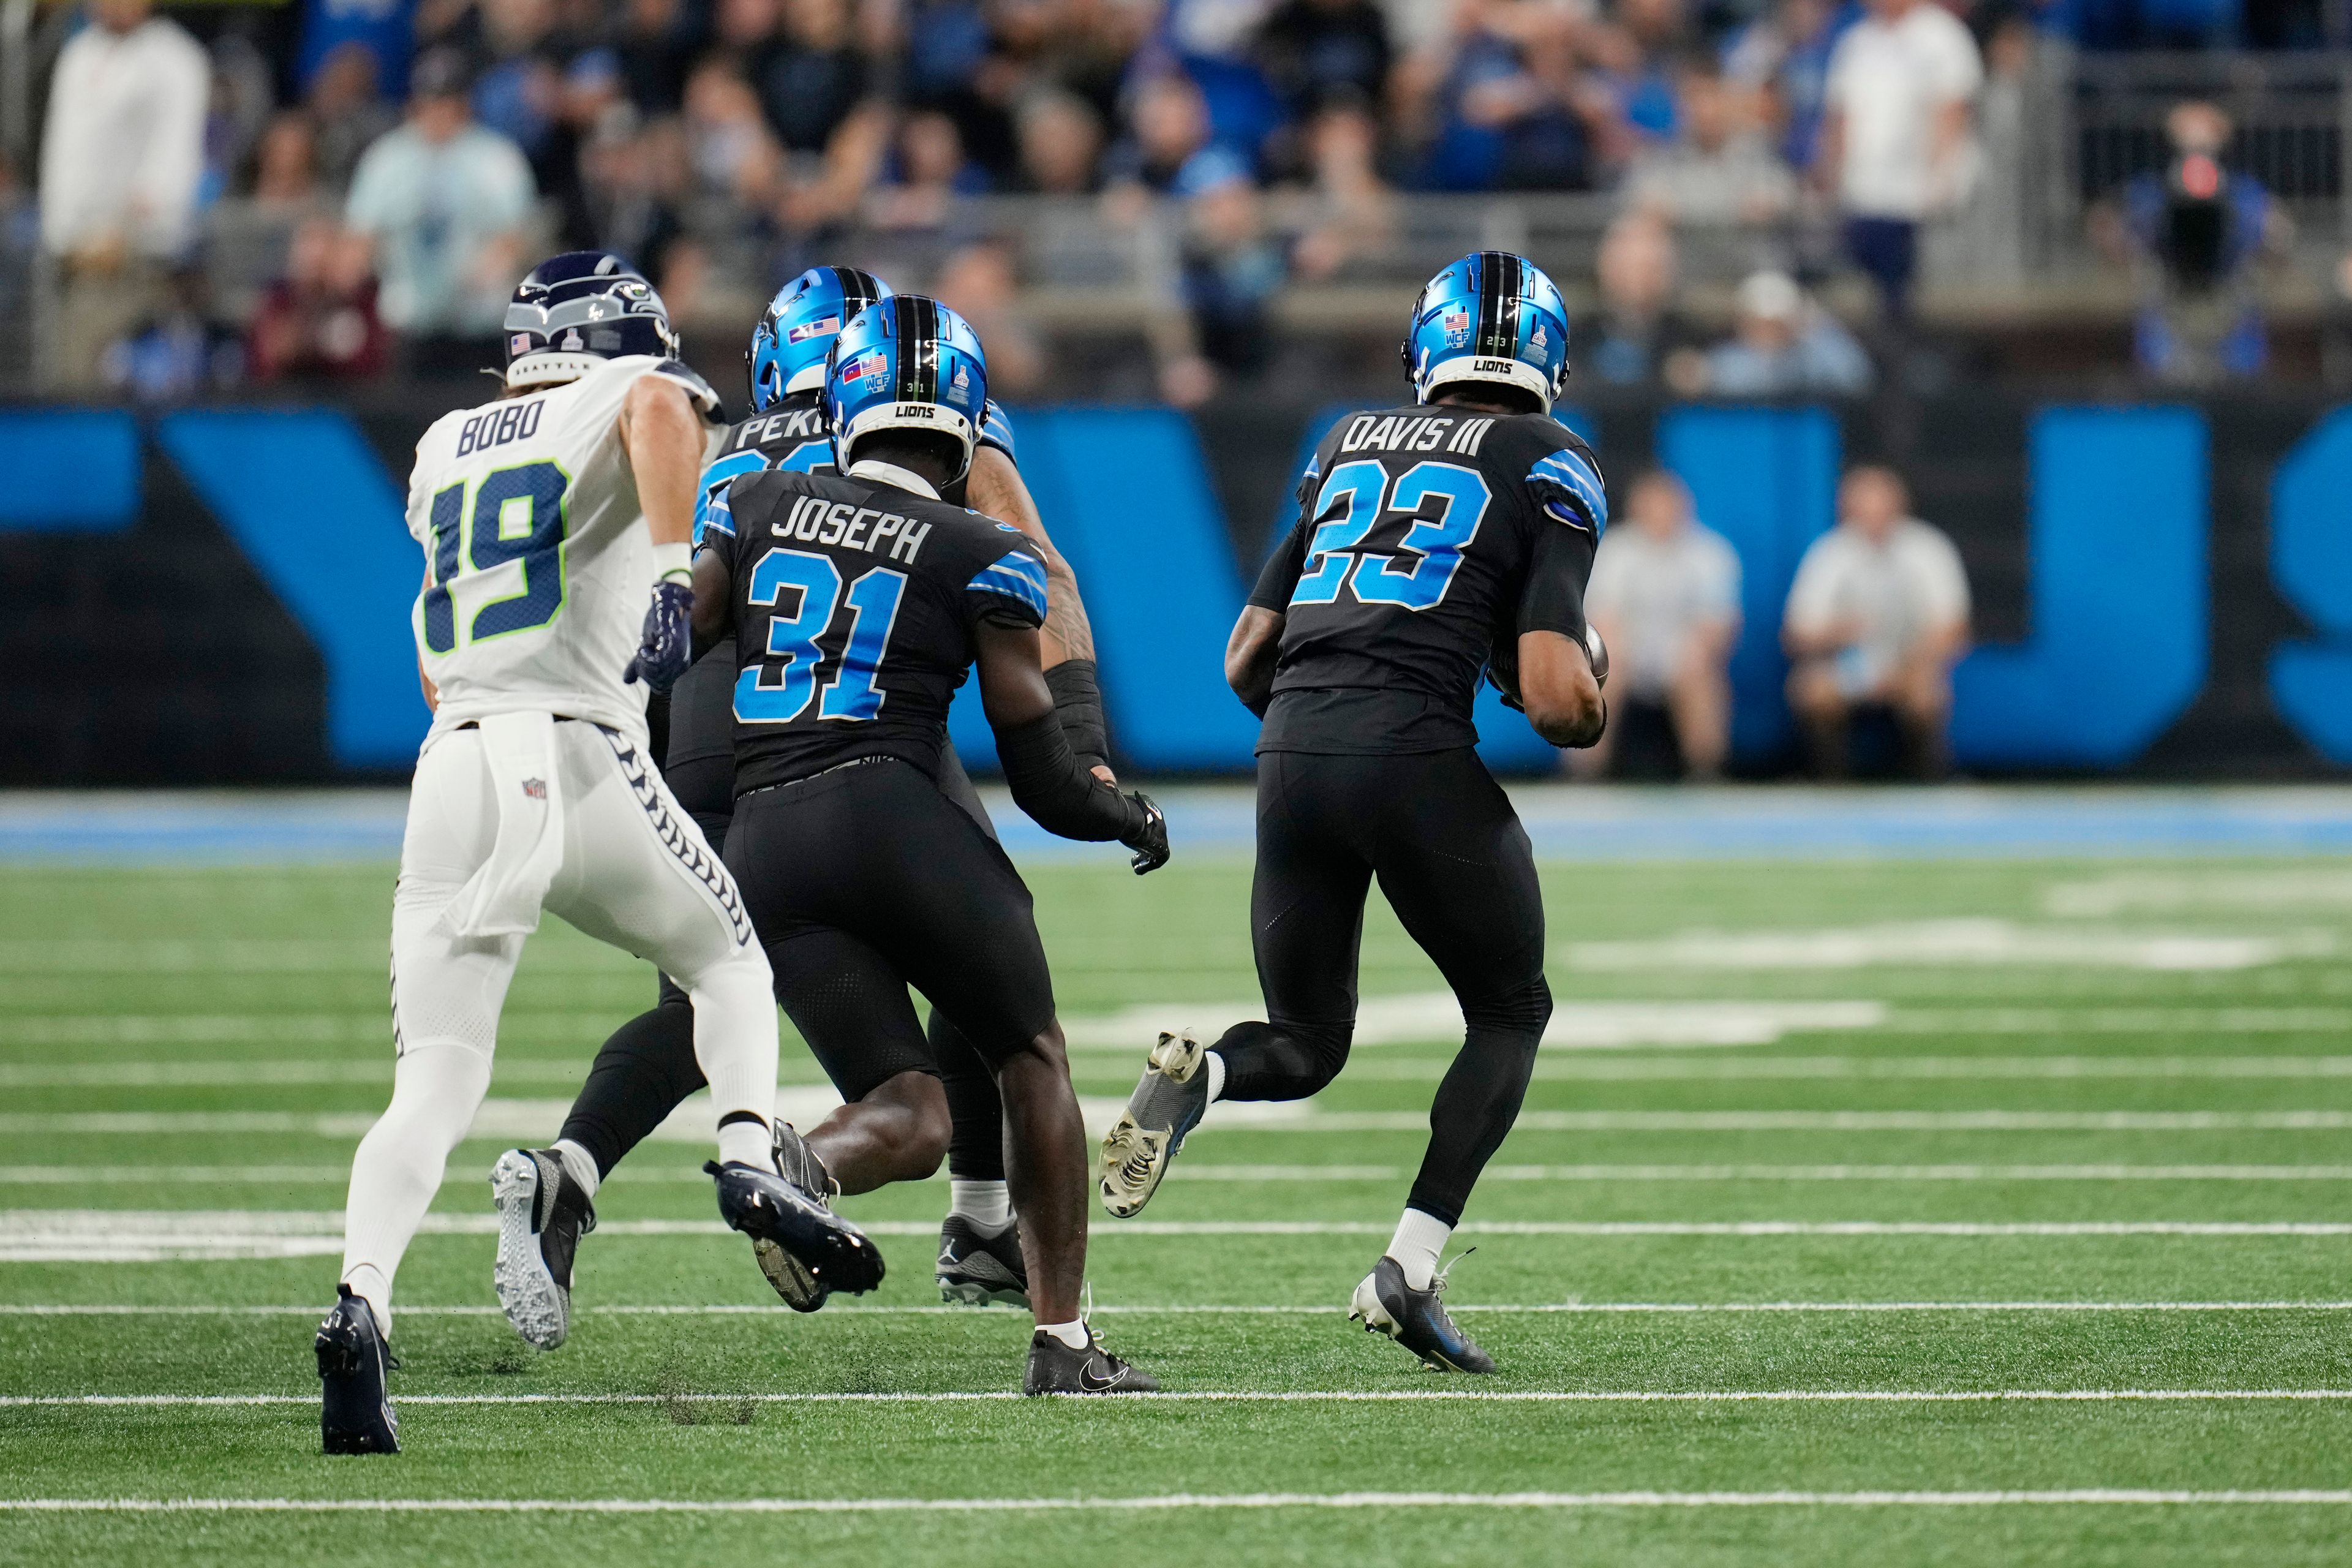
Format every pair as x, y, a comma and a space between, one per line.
513, 1070
524, 1119
523, 1070
1950, 942
2073, 1497
1278, 1397
1186, 1171
1589, 1309
113, 1235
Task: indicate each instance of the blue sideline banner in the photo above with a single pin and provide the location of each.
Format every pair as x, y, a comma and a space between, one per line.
2118, 585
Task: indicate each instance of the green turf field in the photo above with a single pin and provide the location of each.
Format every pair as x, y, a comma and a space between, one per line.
1901, 1188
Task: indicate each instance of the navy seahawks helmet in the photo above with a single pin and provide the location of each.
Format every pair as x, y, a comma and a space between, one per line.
790, 344
905, 362
1491, 316
578, 310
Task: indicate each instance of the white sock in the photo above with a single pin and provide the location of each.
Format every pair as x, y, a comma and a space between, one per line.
1216, 1069
368, 1283
747, 1142
578, 1164
436, 1087
988, 1204
1419, 1239
1071, 1334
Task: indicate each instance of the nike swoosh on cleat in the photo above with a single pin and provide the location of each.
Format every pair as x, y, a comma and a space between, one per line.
1087, 1380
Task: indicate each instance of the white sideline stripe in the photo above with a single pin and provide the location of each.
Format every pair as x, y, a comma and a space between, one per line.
2073, 1497
1281, 1396
289, 1176
1303, 1117
1592, 1308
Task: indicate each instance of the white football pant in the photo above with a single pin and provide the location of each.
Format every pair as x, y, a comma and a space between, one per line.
635, 871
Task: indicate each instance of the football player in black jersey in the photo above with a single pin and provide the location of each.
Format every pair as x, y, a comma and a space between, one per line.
1435, 542
858, 601
647, 1068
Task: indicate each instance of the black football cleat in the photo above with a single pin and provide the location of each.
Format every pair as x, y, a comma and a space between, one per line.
1055, 1368
981, 1268
1416, 1320
354, 1408
542, 1215
837, 1255
802, 1291
1167, 1104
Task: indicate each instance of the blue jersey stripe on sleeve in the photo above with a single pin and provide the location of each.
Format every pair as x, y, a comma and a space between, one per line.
996, 429
1579, 478
1015, 576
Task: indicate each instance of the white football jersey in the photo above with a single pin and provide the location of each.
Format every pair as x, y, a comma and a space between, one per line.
537, 564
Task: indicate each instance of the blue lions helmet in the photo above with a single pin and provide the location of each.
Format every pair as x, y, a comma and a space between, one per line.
790, 344
578, 310
905, 364
1489, 317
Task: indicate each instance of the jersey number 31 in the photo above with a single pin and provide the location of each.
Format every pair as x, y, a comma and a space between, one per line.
778, 689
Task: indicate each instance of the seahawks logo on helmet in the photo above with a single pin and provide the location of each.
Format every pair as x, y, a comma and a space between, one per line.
576, 310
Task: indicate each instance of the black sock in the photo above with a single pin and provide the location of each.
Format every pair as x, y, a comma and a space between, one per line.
642, 1074
975, 1109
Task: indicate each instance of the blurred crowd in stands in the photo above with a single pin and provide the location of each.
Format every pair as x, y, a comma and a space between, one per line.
369, 206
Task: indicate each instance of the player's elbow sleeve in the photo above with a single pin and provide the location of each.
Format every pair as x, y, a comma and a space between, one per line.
1048, 783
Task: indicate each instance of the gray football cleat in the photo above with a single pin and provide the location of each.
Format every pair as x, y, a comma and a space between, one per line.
1165, 1107
982, 1268
542, 1215
1417, 1320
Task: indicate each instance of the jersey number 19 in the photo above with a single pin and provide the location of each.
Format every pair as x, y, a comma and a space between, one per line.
518, 514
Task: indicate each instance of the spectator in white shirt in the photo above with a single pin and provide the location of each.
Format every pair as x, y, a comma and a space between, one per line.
1665, 596
1782, 345
1877, 618
1896, 141
444, 201
121, 158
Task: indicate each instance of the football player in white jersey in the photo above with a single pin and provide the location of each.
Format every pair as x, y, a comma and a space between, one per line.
549, 519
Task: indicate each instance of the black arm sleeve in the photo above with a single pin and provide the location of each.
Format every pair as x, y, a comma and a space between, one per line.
1077, 703
1559, 563
1049, 783
1280, 575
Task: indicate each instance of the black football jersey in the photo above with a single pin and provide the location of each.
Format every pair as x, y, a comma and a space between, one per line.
1428, 539
793, 436
855, 607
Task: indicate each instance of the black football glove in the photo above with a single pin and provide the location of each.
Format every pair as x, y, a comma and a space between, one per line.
1148, 841
666, 645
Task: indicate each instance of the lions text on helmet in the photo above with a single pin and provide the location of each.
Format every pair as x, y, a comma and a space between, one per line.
906, 362
1491, 316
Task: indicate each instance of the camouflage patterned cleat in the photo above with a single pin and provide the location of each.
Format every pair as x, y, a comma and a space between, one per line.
1166, 1106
